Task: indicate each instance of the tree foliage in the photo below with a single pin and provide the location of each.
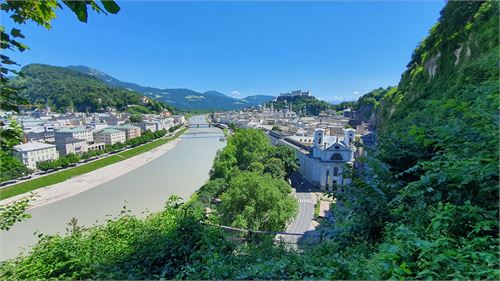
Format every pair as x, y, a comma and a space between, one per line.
257, 202
10, 167
309, 105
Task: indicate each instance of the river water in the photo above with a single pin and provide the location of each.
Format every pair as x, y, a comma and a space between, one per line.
181, 171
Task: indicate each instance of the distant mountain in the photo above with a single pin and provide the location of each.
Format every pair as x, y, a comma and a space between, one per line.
66, 89
183, 99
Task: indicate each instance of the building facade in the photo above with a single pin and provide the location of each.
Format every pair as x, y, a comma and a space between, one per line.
323, 164
145, 126
131, 131
32, 153
80, 133
71, 145
110, 136
73, 140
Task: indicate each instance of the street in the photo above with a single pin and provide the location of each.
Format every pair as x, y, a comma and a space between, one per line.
303, 221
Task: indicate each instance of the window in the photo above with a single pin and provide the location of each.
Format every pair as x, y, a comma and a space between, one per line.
335, 171
337, 157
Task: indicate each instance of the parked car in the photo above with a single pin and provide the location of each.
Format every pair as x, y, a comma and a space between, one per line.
8, 182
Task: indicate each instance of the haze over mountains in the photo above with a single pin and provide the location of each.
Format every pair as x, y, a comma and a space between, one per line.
183, 99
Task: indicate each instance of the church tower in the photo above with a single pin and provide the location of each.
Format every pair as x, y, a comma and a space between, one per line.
319, 141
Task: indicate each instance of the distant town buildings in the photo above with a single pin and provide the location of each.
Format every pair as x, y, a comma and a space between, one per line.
324, 144
48, 135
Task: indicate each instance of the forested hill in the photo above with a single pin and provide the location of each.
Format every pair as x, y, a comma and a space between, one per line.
308, 104
64, 89
183, 99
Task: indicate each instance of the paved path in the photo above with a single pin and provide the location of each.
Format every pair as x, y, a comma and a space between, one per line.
303, 221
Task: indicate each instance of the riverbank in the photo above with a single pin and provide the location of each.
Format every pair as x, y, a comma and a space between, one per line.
67, 183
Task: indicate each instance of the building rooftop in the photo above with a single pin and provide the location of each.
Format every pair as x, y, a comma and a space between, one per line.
124, 126
73, 140
32, 146
74, 130
108, 131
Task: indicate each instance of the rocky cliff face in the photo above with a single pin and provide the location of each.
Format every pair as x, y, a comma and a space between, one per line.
368, 105
461, 51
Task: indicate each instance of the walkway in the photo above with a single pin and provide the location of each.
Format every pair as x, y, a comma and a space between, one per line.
303, 221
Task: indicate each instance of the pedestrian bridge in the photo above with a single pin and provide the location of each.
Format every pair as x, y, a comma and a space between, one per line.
199, 125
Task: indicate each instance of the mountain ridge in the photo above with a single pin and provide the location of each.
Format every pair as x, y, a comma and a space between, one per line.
180, 98
65, 89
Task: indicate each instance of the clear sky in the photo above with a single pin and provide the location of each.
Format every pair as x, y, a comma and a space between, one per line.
337, 50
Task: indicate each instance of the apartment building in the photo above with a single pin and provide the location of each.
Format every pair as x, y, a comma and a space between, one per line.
110, 136
131, 131
34, 152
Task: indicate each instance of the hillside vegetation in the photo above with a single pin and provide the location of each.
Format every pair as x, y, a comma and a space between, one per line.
368, 105
427, 208
181, 99
63, 89
309, 105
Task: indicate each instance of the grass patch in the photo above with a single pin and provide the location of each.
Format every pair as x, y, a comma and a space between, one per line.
82, 169
316, 208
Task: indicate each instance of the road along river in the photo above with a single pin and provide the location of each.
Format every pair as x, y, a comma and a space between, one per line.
181, 171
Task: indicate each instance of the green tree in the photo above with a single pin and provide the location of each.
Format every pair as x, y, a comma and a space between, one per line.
250, 145
225, 163
256, 167
11, 168
47, 165
136, 118
11, 136
287, 155
14, 212
258, 202
275, 168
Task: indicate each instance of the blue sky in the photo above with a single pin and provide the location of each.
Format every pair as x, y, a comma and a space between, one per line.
337, 50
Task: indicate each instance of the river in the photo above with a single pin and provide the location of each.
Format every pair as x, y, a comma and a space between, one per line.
181, 171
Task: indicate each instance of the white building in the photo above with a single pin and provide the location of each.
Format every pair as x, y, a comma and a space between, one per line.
80, 133
131, 131
110, 136
179, 119
32, 153
72, 145
145, 126
323, 164
73, 140
164, 124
